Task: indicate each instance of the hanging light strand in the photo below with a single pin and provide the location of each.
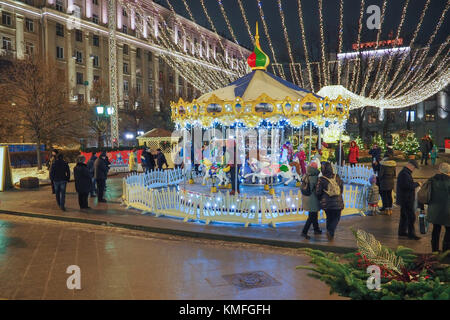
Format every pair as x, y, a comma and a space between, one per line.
224, 14
322, 46
269, 40
356, 64
394, 78
244, 16
288, 44
340, 35
305, 47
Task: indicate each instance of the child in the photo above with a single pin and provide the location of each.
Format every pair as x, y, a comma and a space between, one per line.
373, 196
434, 154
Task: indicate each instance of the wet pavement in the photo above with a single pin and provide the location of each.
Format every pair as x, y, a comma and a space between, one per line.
41, 203
122, 264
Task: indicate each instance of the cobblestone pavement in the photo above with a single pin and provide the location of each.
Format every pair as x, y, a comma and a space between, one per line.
124, 264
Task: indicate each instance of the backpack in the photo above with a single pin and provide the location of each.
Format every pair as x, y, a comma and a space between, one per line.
424, 194
333, 187
304, 187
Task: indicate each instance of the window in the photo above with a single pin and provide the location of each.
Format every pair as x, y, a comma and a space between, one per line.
95, 61
170, 78
125, 85
6, 18
80, 98
29, 48
372, 118
150, 73
29, 25
59, 5
430, 115
80, 78
96, 79
59, 52
78, 35
160, 76
149, 57
124, 12
6, 43
95, 2
412, 114
138, 88
125, 29
95, 18
150, 89
96, 40
126, 104
180, 81
79, 57
125, 49
353, 119
138, 52
125, 68
59, 30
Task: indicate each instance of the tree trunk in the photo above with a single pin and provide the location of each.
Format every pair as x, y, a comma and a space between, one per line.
38, 154
99, 140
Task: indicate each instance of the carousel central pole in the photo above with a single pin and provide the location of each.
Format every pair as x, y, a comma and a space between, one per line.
310, 134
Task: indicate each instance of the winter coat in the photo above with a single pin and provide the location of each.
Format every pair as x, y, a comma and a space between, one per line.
325, 155
161, 159
301, 155
327, 202
376, 153
83, 180
90, 165
149, 160
60, 171
439, 206
132, 161
373, 195
311, 203
387, 174
353, 154
336, 154
100, 169
406, 187
425, 145
434, 152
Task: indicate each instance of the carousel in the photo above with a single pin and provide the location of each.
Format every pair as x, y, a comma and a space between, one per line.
258, 133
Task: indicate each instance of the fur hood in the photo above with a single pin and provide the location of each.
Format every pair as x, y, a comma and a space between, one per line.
388, 163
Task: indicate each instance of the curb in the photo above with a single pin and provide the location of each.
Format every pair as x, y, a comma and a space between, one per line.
190, 234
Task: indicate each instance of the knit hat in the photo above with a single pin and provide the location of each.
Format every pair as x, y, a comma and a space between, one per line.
444, 168
414, 163
313, 164
372, 179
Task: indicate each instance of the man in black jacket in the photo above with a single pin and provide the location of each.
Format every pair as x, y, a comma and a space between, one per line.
101, 174
332, 204
60, 175
83, 182
386, 179
90, 166
161, 159
406, 192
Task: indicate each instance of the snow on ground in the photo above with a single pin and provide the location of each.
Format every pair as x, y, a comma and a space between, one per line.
43, 175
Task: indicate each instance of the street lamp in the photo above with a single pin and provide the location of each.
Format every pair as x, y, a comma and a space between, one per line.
100, 110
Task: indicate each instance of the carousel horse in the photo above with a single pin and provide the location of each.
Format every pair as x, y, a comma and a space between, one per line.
289, 173
209, 171
222, 176
262, 170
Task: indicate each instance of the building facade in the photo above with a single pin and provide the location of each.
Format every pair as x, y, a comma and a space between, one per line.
74, 33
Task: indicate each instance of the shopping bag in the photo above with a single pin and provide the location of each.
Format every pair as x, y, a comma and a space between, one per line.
423, 223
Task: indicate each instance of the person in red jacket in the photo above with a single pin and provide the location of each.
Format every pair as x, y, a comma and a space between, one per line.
353, 155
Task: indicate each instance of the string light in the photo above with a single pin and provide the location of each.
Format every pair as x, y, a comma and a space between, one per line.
288, 44
356, 64
340, 34
322, 46
244, 16
224, 14
269, 40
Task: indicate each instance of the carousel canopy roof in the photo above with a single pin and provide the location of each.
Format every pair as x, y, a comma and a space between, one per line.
259, 96
253, 85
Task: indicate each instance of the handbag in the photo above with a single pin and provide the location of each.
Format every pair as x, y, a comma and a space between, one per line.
424, 194
423, 223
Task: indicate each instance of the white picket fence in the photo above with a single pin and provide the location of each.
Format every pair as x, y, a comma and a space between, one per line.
140, 191
359, 174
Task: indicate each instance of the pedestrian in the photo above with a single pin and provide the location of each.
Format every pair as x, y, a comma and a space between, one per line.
353, 155
310, 202
373, 196
83, 182
329, 192
101, 174
147, 160
325, 152
132, 161
339, 154
405, 198
386, 178
52, 159
161, 159
375, 152
439, 207
434, 155
90, 166
60, 175
425, 148
301, 155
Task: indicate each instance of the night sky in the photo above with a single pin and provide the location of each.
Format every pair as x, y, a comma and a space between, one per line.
311, 21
